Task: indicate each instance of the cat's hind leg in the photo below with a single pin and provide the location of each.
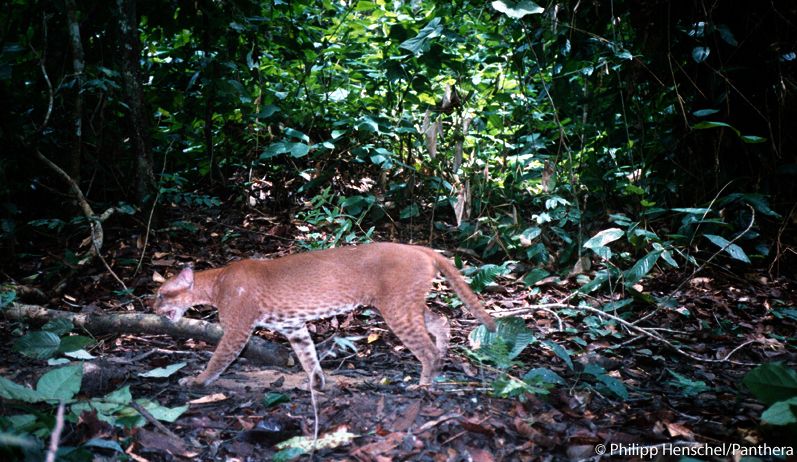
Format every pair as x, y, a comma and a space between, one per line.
303, 346
407, 322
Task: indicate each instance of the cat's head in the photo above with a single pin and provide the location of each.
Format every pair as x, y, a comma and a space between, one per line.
175, 295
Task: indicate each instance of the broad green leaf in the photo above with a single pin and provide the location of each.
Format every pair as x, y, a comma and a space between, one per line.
700, 54
122, 396
692, 210
162, 372
104, 444
268, 111
80, 354
726, 35
298, 149
409, 211
688, 386
641, 268
517, 10
733, 250
709, 124
59, 326
420, 42
752, 139
528, 235
666, 255
508, 387
505, 344
534, 276
617, 305
338, 95
38, 345
74, 343
560, 351
287, 454
13, 440
705, 112
781, 413
21, 422
354, 205
615, 386
368, 125
772, 382
62, 383
14, 391
604, 237
293, 133
600, 278
785, 312
604, 252
543, 375
758, 201
275, 149
272, 399
166, 414
7, 297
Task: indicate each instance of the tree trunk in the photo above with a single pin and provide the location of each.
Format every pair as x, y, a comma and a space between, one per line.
130, 55
78, 64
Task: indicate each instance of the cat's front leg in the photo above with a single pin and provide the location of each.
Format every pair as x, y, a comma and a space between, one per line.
232, 343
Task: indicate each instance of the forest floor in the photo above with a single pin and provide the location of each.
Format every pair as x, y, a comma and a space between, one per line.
372, 410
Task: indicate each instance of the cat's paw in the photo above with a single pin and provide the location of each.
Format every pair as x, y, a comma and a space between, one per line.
189, 382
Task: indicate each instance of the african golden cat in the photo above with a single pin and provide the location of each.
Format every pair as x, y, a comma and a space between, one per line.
282, 294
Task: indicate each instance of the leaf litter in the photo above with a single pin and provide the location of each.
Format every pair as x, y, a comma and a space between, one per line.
617, 387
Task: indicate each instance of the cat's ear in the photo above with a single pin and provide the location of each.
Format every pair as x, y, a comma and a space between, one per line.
184, 280
157, 277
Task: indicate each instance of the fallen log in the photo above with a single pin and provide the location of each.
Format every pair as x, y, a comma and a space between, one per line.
258, 350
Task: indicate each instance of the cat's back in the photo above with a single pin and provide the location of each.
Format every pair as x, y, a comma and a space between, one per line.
354, 261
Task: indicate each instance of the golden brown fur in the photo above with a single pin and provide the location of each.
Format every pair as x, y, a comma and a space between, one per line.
282, 294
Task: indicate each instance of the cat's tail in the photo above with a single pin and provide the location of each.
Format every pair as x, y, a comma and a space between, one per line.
462, 289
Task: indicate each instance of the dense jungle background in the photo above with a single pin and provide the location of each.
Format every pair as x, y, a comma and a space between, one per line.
616, 179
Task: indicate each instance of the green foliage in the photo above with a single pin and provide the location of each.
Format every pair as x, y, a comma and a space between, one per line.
299, 445
605, 382
172, 190
776, 386
335, 220
7, 296
51, 340
163, 372
272, 399
485, 275
688, 387
501, 347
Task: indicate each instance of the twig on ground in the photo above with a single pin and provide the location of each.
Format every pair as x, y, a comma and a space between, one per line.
151, 419
649, 333
55, 436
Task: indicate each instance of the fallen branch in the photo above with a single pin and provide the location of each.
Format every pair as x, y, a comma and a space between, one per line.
644, 331
257, 349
